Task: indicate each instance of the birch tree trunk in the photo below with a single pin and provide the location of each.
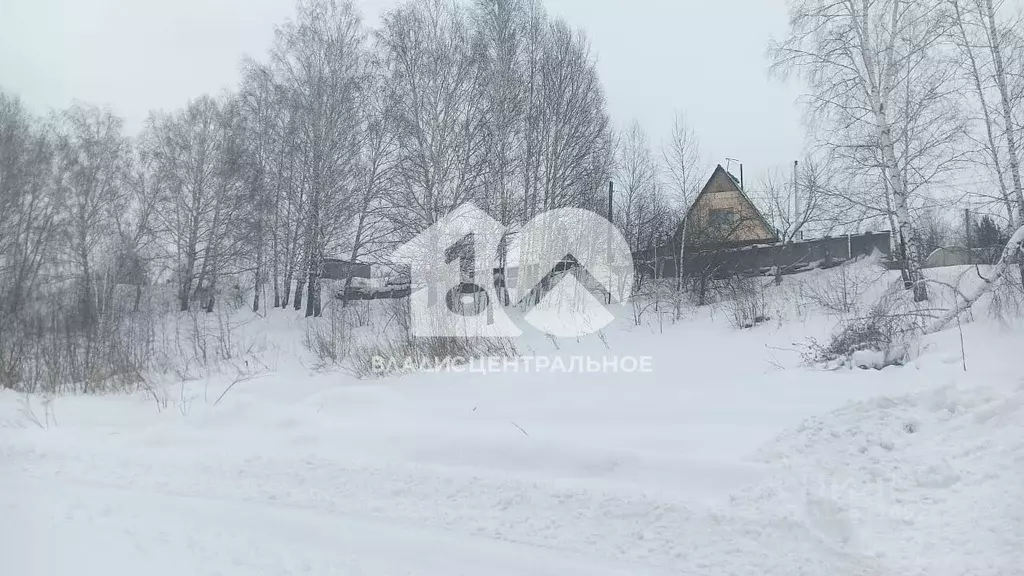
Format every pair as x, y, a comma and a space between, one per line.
880, 82
881, 91
1013, 158
967, 47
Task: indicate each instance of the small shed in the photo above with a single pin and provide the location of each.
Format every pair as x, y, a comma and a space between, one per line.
335, 269
950, 256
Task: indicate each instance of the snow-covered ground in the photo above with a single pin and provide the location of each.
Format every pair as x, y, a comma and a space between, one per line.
728, 457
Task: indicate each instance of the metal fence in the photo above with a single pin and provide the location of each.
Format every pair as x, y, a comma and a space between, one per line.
790, 258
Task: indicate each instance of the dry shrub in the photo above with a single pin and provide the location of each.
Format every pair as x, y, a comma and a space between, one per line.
399, 351
878, 339
418, 354
329, 338
746, 304
657, 297
49, 347
838, 291
1006, 300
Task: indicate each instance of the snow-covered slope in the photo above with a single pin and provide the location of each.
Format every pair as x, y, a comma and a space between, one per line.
727, 458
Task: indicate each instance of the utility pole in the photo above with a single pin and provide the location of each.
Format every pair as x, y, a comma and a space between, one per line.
967, 232
608, 253
794, 222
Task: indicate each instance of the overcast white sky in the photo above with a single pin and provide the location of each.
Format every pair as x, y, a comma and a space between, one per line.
703, 57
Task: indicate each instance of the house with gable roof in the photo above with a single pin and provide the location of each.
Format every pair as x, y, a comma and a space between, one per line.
723, 216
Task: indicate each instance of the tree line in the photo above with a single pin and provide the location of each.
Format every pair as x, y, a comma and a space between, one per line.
917, 104
340, 141
346, 141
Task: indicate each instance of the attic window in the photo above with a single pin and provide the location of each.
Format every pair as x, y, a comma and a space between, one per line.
722, 219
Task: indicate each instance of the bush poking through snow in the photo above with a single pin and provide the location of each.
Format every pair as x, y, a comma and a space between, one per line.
1006, 300
50, 349
333, 340
746, 305
418, 354
879, 339
838, 292
329, 337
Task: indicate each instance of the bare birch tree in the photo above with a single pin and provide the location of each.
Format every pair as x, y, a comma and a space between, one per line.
685, 166
574, 144
874, 78
135, 224
92, 163
966, 39
1000, 76
433, 73
260, 110
502, 26
198, 194
29, 207
799, 199
321, 60
637, 177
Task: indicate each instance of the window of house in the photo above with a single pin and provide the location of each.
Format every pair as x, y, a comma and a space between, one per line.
723, 220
